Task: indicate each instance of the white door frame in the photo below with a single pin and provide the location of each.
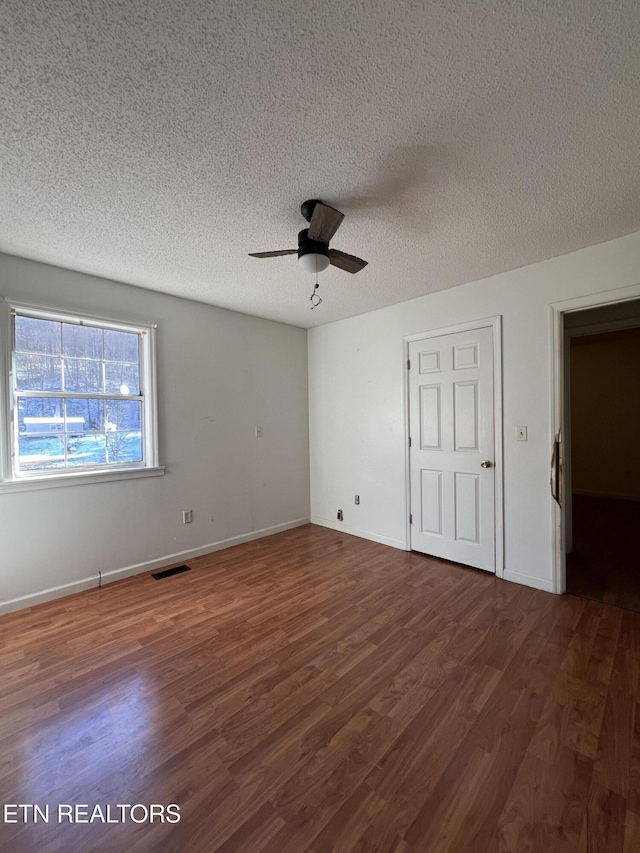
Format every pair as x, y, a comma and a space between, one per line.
495, 323
557, 310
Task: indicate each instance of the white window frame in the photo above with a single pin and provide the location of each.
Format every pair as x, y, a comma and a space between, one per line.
13, 479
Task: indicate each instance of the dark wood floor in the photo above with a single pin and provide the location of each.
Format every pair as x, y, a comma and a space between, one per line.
605, 561
317, 692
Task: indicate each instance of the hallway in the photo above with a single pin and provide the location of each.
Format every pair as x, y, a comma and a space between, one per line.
605, 562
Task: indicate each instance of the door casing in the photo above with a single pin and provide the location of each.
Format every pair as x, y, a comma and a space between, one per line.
495, 323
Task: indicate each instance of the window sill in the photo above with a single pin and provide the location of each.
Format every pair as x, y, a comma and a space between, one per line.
79, 479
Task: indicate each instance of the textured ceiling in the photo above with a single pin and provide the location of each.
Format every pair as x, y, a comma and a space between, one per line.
158, 143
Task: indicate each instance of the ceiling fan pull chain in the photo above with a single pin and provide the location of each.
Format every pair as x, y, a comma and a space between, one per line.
314, 298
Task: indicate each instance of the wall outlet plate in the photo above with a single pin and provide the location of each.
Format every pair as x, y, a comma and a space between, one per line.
339, 515
187, 516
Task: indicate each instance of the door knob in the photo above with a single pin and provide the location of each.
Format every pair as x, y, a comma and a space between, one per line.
485, 463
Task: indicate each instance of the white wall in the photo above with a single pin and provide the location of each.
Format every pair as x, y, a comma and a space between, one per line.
219, 375
356, 376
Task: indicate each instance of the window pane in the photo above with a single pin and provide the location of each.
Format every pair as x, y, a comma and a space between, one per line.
86, 450
33, 335
124, 446
81, 374
40, 417
41, 434
81, 341
40, 453
85, 415
50, 427
121, 346
38, 372
123, 415
124, 436
121, 378
103, 425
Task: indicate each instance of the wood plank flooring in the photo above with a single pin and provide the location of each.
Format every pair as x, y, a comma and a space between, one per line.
317, 692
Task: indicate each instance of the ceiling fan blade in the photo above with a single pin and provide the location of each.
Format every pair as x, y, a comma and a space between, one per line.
349, 263
324, 223
273, 254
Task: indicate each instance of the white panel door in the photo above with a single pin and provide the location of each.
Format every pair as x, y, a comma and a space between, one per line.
452, 449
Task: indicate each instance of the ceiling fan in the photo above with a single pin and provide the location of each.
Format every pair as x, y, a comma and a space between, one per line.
314, 254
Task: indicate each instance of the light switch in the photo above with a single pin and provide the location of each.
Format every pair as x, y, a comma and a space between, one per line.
258, 432
521, 433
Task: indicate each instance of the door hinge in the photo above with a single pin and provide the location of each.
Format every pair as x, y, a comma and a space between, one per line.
410, 518
409, 441
408, 364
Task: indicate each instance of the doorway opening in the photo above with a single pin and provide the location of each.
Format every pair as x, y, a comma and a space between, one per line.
602, 453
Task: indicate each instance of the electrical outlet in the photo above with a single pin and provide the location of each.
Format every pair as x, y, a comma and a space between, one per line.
521, 433
339, 515
357, 499
187, 516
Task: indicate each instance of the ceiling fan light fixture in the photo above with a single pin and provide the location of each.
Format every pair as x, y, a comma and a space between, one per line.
314, 254
313, 261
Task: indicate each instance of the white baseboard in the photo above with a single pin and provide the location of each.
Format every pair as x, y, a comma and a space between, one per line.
528, 580
137, 569
355, 531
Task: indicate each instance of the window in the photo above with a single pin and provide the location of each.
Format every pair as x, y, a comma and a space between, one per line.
80, 397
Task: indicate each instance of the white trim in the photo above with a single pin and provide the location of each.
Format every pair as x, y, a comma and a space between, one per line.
10, 477
494, 323
139, 568
92, 476
5, 393
152, 442
498, 433
47, 312
529, 580
469, 326
557, 310
341, 527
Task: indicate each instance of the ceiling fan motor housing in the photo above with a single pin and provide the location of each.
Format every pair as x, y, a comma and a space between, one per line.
312, 254
307, 208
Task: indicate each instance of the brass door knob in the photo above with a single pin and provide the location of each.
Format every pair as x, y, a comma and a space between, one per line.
485, 463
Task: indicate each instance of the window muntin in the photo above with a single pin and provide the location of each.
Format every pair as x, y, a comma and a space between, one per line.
81, 396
